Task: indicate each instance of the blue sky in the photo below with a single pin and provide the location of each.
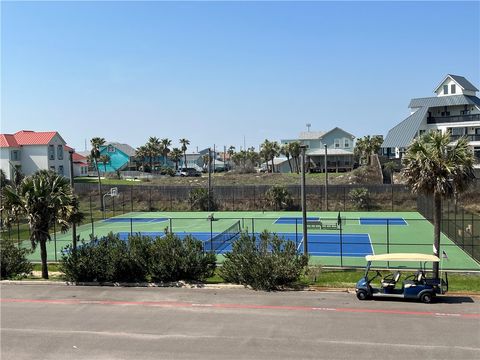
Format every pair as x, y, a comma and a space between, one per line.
216, 72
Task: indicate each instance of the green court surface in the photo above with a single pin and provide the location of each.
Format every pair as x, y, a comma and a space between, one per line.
387, 231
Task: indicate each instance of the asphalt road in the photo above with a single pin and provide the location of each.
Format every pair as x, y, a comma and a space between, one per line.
67, 322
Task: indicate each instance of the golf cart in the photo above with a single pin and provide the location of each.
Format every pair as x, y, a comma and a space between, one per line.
416, 286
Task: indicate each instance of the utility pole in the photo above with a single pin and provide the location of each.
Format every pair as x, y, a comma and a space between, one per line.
304, 202
326, 178
209, 161
72, 184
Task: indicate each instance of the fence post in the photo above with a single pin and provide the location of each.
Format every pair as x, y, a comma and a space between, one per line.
55, 237
296, 233
253, 227
91, 217
171, 225
131, 198
463, 228
344, 198
123, 203
113, 205
211, 234
18, 231
150, 199
388, 241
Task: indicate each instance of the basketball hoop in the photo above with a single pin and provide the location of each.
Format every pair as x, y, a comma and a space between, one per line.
112, 193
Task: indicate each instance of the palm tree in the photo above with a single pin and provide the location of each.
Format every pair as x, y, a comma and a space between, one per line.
390, 166
45, 198
141, 153
295, 150
367, 146
285, 150
154, 149
434, 166
184, 143
104, 159
165, 143
176, 156
230, 152
96, 143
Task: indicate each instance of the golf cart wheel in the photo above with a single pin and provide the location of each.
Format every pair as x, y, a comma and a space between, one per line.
426, 298
362, 295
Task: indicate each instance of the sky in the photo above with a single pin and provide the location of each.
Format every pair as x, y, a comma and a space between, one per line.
226, 73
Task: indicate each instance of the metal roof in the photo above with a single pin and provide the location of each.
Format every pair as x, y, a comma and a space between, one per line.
444, 101
461, 81
337, 128
310, 135
125, 148
403, 134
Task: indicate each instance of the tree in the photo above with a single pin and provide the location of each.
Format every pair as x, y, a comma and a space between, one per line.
141, 154
390, 166
295, 151
285, 150
367, 146
269, 150
104, 159
154, 149
176, 156
230, 152
184, 143
96, 143
45, 198
434, 166
164, 147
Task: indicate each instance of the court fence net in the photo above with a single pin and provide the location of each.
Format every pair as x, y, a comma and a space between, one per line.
332, 243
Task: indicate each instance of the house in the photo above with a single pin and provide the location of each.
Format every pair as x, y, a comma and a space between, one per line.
455, 110
30, 151
80, 164
121, 157
339, 143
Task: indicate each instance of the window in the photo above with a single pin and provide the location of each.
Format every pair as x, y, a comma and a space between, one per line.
15, 155
52, 167
51, 152
337, 143
60, 170
60, 152
110, 149
445, 89
457, 131
453, 89
347, 143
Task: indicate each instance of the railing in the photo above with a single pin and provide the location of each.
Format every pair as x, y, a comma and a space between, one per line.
450, 119
474, 137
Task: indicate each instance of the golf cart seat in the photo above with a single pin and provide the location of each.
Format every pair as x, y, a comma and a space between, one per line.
391, 280
415, 280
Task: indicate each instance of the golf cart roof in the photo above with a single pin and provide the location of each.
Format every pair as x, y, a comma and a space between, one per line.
403, 257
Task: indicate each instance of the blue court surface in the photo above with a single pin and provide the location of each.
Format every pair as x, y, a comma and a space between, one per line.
135, 220
382, 221
355, 245
293, 220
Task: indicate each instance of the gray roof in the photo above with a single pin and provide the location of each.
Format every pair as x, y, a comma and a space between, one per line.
310, 135
125, 148
337, 128
403, 134
464, 83
444, 101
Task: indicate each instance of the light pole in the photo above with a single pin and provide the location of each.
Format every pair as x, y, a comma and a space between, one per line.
209, 177
304, 202
72, 184
326, 178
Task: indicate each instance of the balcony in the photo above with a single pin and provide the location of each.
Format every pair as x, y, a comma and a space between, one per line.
453, 119
469, 137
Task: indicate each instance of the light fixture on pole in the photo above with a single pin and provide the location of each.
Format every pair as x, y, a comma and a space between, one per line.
72, 184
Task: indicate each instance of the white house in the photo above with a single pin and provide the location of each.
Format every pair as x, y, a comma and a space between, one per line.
339, 143
455, 110
30, 151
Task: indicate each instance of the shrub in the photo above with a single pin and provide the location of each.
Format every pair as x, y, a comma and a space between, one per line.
266, 264
201, 200
279, 198
13, 260
110, 259
360, 198
175, 259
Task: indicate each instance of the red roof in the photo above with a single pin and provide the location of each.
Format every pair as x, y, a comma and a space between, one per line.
8, 140
28, 137
78, 157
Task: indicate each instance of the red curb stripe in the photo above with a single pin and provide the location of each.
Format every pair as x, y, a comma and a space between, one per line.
237, 306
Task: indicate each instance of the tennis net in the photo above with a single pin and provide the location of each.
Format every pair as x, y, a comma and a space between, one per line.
219, 242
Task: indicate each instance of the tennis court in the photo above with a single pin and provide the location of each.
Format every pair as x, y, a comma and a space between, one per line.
360, 233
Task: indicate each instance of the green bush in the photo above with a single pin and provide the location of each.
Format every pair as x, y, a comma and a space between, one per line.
175, 259
279, 198
267, 263
360, 198
139, 259
201, 200
13, 260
